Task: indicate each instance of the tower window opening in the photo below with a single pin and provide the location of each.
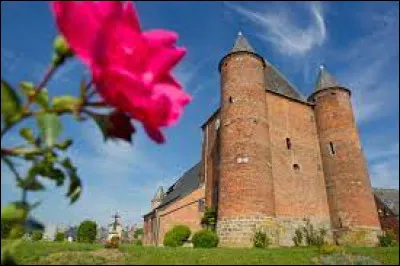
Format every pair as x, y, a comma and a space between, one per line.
333, 93
288, 143
231, 100
332, 148
201, 205
296, 167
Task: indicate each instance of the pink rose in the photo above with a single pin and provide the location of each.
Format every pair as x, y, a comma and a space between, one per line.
131, 69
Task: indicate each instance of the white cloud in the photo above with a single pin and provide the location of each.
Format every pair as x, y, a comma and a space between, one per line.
284, 32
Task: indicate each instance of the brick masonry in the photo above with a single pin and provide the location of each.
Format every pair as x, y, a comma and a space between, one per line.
269, 161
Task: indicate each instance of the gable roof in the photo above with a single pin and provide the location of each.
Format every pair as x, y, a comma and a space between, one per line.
389, 197
277, 82
189, 182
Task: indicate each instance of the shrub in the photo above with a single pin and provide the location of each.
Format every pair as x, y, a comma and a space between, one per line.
138, 233
36, 236
205, 239
138, 242
176, 236
5, 228
60, 236
387, 239
87, 231
312, 236
298, 237
113, 243
261, 240
17, 232
209, 218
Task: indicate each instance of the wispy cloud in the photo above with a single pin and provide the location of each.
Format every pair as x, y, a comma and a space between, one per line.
284, 32
370, 73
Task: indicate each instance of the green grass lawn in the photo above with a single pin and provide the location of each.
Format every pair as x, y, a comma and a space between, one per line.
74, 253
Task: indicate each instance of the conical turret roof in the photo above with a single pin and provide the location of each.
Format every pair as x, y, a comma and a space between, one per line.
159, 194
241, 44
325, 80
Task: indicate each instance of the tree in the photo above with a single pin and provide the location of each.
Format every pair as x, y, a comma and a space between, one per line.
60, 236
138, 233
37, 235
87, 232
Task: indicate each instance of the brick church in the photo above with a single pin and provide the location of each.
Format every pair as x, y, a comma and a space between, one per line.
272, 158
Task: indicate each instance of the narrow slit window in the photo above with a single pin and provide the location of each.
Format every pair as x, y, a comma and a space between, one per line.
296, 167
231, 100
201, 205
332, 148
288, 143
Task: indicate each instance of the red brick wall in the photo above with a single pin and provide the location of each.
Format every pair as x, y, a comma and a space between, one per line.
183, 211
245, 189
349, 190
298, 193
210, 160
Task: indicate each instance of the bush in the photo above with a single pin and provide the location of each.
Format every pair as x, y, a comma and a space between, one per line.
60, 236
312, 236
36, 236
261, 240
17, 232
138, 233
298, 237
387, 239
176, 236
205, 239
113, 243
87, 232
5, 228
209, 218
138, 242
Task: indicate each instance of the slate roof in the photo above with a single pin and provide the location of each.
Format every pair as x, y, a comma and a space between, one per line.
390, 197
275, 80
189, 182
325, 80
241, 44
159, 194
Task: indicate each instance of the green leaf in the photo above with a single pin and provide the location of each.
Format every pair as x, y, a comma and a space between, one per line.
75, 186
15, 211
28, 88
31, 184
50, 127
41, 98
66, 102
83, 89
10, 104
27, 134
64, 145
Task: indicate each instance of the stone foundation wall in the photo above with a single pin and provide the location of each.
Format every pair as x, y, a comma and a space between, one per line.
239, 232
363, 237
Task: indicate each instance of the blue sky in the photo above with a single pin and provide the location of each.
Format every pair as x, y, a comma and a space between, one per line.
358, 42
